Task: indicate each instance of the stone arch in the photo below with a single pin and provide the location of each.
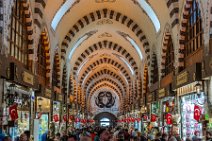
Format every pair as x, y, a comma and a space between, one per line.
105, 80
98, 16
105, 71
154, 65
166, 38
173, 6
109, 61
56, 65
183, 28
105, 45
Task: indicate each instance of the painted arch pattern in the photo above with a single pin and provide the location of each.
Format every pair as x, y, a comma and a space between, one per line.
104, 13
166, 38
105, 45
103, 80
38, 12
105, 61
184, 22
105, 71
94, 89
173, 6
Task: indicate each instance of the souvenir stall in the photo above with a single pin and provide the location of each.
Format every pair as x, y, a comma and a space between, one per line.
42, 115
154, 128
192, 101
56, 115
192, 105
167, 110
18, 108
144, 119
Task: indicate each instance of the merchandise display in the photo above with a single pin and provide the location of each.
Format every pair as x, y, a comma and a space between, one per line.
191, 111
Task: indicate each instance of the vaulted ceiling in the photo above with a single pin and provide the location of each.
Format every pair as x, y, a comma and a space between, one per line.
104, 42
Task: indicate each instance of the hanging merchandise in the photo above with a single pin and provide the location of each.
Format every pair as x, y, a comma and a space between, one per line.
13, 112
65, 117
197, 112
56, 118
153, 117
168, 118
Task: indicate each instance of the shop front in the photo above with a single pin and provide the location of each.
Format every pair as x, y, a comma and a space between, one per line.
192, 102
167, 110
18, 97
153, 108
42, 118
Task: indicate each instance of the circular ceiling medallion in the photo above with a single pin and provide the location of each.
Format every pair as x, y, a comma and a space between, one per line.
105, 100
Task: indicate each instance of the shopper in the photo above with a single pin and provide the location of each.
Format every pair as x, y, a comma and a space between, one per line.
7, 138
72, 138
158, 137
209, 136
57, 137
104, 135
164, 137
144, 137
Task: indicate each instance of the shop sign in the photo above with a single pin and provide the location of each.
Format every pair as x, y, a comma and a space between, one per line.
28, 78
48, 93
161, 93
182, 78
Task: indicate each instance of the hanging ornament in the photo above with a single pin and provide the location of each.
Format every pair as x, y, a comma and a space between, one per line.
13, 112
197, 112
153, 118
64, 117
169, 119
56, 118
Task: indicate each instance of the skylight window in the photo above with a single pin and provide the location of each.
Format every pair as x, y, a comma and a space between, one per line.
127, 65
61, 12
149, 11
77, 44
137, 48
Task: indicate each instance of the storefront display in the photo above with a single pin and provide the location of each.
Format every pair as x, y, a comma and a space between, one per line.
56, 115
192, 109
42, 113
168, 105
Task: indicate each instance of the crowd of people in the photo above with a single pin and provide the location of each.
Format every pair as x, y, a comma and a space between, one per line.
104, 134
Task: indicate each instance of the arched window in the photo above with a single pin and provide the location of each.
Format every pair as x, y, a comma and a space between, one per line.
194, 30
169, 60
18, 36
41, 68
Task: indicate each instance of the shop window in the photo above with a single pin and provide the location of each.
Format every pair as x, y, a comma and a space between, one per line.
194, 31
41, 65
169, 60
18, 34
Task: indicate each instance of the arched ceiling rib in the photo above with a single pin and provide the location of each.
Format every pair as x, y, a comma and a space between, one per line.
105, 13
102, 71
105, 62
121, 53
103, 79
